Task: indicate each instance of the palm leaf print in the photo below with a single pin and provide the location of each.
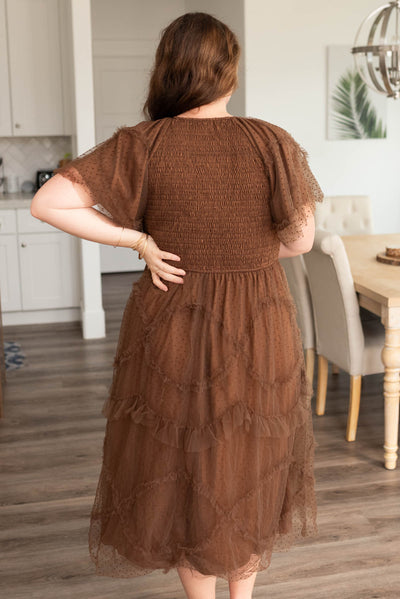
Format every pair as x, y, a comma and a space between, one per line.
354, 114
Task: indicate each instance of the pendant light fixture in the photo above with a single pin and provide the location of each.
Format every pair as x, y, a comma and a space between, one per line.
378, 60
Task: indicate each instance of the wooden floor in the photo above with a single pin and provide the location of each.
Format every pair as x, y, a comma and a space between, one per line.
50, 450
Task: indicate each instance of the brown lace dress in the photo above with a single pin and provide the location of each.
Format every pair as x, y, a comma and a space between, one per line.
209, 447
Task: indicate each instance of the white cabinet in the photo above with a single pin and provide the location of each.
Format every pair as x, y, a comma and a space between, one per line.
9, 263
10, 290
39, 264
32, 34
48, 270
5, 106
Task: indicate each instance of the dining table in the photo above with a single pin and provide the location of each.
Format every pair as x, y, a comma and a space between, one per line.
378, 289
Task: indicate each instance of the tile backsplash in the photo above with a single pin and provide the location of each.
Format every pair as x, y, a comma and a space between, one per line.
23, 156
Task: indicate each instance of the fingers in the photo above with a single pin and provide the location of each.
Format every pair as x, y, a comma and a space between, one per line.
170, 277
165, 275
171, 269
166, 271
157, 282
168, 267
170, 256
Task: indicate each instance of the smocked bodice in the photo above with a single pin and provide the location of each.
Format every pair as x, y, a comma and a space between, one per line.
221, 192
207, 197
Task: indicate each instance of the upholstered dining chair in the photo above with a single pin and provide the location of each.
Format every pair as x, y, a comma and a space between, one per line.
345, 215
296, 276
341, 336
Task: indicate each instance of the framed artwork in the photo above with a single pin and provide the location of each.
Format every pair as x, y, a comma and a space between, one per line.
354, 111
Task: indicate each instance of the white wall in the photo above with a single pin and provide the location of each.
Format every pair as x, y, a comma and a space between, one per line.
133, 19
286, 83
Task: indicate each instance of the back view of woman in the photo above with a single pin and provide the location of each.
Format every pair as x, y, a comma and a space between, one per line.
209, 447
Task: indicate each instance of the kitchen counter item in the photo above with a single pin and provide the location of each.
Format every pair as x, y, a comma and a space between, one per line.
28, 186
42, 177
11, 184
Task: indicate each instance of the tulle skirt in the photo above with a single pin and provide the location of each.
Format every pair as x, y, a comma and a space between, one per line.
208, 451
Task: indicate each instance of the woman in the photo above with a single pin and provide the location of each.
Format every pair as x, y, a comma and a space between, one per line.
208, 448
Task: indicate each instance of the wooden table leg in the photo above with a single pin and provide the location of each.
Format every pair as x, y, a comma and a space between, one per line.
391, 383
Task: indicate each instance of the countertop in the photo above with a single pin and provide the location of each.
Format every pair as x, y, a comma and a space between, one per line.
17, 199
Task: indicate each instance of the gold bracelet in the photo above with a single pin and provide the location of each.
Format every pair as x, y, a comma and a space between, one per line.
137, 245
120, 237
142, 240
144, 249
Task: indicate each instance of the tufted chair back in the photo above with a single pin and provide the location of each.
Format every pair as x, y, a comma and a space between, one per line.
345, 215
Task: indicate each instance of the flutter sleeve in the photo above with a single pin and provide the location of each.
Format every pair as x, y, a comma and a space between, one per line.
295, 190
114, 174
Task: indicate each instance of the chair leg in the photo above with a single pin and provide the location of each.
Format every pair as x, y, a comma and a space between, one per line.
335, 369
321, 385
310, 359
354, 407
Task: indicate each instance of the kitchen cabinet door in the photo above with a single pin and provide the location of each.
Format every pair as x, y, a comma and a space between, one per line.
49, 267
5, 107
9, 273
34, 51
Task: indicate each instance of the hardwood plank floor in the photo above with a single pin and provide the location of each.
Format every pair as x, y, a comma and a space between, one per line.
50, 450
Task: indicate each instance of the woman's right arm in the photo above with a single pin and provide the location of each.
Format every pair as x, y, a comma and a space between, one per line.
69, 207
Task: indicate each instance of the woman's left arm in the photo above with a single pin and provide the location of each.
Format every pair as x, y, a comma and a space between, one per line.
304, 242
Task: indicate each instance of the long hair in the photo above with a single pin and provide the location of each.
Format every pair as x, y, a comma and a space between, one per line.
195, 63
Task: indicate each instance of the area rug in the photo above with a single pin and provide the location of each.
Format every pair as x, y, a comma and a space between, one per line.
13, 355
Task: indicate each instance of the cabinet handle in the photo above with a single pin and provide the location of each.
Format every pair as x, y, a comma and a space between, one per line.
17, 126
23, 245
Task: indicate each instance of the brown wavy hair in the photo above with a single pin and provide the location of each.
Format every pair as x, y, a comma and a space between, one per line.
195, 63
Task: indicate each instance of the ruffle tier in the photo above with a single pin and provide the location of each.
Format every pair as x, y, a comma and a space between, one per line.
205, 436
